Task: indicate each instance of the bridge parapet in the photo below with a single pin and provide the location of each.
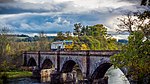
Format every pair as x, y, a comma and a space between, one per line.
49, 53
103, 52
30, 53
80, 52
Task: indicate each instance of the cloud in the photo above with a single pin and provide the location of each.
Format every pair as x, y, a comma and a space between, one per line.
33, 16
64, 6
6, 1
18, 7
28, 23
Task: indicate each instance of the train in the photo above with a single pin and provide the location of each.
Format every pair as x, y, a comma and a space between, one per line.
62, 45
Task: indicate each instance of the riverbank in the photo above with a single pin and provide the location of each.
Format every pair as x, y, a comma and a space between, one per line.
17, 74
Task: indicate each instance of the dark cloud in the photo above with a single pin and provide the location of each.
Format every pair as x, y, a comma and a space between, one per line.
133, 1
6, 1
19, 7
10, 10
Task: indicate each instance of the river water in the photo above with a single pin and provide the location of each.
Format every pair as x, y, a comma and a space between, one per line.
115, 77
24, 81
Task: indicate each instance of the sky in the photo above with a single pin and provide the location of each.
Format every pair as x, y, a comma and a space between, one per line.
52, 16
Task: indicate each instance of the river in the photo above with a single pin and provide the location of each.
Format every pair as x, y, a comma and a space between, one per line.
115, 77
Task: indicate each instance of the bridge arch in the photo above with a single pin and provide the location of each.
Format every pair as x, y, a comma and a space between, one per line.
100, 71
32, 62
47, 64
69, 65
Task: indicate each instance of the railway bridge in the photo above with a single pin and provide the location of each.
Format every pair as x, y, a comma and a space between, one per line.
92, 64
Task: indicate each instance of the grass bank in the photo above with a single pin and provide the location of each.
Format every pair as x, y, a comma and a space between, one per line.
18, 74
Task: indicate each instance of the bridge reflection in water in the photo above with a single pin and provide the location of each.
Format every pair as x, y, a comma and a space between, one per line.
69, 77
115, 76
45, 75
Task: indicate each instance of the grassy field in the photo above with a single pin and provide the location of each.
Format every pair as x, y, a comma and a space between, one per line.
18, 74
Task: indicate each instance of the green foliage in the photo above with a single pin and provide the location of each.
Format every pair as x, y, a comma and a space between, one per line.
136, 54
43, 42
4, 46
4, 65
11, 51
5, 75
77, 29
112, 44
144, 18
97, 30
19, 74
4, 40
63, 36
60, 36
95, 37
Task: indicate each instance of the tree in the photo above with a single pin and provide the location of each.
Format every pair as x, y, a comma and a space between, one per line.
60, 36
143, 23
136, 54
43, 42
4, 40
84, 30
96, 30
77, 29
4, 44
145, 2
95, 37
135, 21
126, 23
68, 35
4, 37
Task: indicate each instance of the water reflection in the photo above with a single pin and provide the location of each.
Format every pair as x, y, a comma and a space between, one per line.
45, 75
45, 79
115, 76
23, 81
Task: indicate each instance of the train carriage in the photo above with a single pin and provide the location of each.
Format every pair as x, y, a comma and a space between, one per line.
62, 45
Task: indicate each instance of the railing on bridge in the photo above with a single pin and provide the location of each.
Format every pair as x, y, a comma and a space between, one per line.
79, 53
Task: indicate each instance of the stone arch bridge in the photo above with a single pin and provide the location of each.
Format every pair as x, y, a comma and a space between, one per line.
92, 63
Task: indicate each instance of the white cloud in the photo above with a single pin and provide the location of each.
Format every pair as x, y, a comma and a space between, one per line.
23, 25
26, 24
120, 36
59, 20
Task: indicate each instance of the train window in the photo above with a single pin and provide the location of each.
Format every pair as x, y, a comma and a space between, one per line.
68, 43
59, 47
